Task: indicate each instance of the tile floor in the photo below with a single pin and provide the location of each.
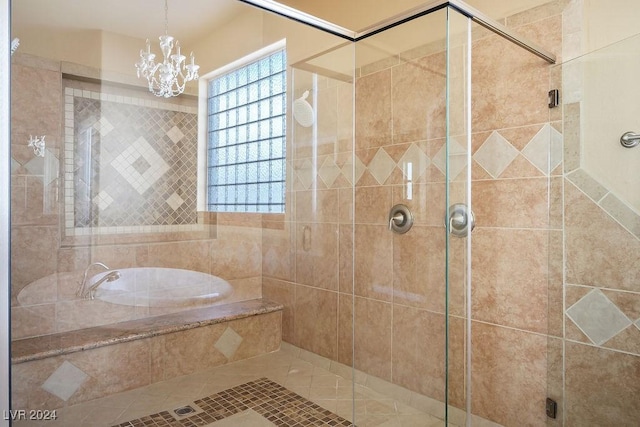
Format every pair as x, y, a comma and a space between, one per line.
313, 383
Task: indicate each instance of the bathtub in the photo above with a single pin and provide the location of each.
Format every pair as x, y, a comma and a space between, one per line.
161, 287
50, 304
160, 322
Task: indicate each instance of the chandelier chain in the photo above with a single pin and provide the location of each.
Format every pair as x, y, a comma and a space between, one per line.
166, 17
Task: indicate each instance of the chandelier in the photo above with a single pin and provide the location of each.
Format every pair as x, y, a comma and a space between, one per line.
166, 78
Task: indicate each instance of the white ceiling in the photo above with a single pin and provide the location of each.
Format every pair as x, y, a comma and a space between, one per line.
188, 19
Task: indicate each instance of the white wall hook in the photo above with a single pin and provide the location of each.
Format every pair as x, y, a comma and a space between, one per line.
38, 144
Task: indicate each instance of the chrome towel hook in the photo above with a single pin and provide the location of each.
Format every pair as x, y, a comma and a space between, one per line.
630, 139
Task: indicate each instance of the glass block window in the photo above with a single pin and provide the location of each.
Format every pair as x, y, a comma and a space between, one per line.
246, 137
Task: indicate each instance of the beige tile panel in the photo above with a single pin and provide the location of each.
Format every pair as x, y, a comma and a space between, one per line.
513, 203
628, 341
571, 132
511, 92
194, 255
29, 83
426, 201
87, 313
245, 289
372, 204
33, 255
373, 110
283, 293
189, 351
555, 378
556, 288
372, 334
509, 375
33, 321
237, 253
317, 206
345, 329
419, 270
104, 376
418, 359
373, 262
316, 319
593, 245
419, 98
278, 253
628, 302
345, 259
511, 278
317, 255
601, 387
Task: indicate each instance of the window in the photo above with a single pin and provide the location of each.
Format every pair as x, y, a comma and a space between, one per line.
246, 116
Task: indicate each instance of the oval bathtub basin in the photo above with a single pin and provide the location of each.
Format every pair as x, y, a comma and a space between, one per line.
160, 287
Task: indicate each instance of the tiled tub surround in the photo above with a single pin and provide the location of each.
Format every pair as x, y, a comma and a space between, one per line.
51, 305
71, 367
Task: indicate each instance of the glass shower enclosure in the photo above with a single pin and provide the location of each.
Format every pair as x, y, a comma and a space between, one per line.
417, 171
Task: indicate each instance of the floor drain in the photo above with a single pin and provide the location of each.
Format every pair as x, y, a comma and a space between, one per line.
184, 410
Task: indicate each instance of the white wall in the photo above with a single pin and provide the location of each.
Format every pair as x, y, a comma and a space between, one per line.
610, 95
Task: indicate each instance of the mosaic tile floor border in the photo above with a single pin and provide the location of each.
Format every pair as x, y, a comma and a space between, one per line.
269, 399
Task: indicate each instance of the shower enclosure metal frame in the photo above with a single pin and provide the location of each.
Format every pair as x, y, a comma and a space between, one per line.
354, 36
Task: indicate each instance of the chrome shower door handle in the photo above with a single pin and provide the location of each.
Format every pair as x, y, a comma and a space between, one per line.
460, 220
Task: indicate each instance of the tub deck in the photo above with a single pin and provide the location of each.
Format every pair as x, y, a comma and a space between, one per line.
36, 348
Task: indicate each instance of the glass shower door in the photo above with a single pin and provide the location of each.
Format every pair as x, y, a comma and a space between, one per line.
601, 208
458, 219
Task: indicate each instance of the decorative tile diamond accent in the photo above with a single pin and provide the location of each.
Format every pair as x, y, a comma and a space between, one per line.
381, 166
305, 174
545, 149
35, 166
329, 171
228, 343
414, 162
103, 200
65, 381
103, 126
495, 154
598, 317
51, 167
124, 164
141, 165
353, 169
457, 159
14, 165
175, 134
175, 201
